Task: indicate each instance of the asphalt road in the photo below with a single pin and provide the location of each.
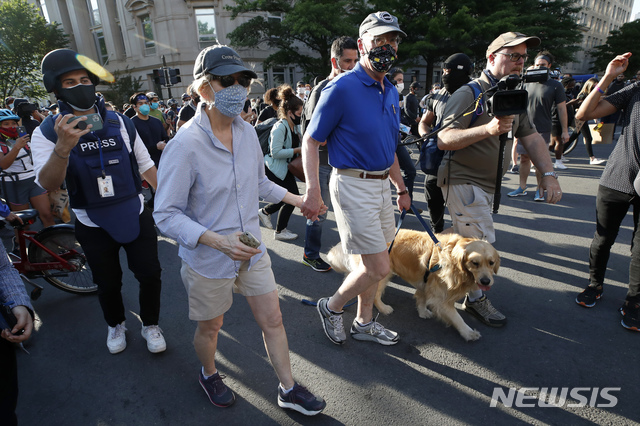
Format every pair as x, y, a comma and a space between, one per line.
431, 377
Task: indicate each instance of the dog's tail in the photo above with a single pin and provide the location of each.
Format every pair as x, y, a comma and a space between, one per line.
339, 260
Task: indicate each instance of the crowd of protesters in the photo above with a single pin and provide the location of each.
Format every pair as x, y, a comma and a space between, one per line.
172, 146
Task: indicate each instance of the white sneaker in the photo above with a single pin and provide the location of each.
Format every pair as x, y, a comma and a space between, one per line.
155, 341
564, 159
596, 161
116, 339
265, 219
558, 165
285, 234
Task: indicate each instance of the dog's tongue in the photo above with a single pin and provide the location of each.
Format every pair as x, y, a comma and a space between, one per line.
484, 287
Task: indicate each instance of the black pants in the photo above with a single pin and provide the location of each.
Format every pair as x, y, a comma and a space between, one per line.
8, 383
435, 202
103, 256
289, 183
611, 208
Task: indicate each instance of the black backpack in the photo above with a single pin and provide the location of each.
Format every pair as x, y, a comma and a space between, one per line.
264, 130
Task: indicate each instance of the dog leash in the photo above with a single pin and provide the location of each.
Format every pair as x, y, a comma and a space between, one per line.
422, 222
427, 228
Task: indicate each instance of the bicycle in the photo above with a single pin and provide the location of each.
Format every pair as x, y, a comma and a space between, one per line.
53, 253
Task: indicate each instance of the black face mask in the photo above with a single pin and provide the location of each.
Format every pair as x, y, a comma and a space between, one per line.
296, 119
81, 97
454, 80
382, 58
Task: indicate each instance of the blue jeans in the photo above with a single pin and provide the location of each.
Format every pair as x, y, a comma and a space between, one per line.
313, 237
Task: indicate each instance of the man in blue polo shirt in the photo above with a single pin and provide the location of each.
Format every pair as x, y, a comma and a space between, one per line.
359, 116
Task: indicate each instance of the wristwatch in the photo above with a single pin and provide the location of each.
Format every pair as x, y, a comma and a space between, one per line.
553, 174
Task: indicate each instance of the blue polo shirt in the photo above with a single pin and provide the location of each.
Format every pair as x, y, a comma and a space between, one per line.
358, 120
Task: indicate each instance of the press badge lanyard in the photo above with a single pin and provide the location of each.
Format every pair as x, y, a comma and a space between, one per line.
105, 182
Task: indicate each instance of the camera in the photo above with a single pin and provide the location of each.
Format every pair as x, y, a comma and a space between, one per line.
506, 99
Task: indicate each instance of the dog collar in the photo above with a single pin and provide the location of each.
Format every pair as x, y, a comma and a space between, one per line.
435, 268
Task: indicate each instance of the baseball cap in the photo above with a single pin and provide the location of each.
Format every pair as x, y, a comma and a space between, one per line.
380, 23
415, 85
184, 96
511, 39
219, 60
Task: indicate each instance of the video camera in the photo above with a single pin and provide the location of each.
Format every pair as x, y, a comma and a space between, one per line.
505, 99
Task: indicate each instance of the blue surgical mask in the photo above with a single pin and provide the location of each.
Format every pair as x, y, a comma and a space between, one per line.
144, 109
230, 100
154, 105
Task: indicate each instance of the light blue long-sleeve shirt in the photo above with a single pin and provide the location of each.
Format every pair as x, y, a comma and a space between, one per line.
201, 185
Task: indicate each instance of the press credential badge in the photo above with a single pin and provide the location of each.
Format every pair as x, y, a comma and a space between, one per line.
105, 184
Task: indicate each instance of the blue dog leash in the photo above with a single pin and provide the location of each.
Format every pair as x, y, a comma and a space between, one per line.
427, 228
424, 225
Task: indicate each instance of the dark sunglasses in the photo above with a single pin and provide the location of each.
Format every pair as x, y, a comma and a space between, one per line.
229, 80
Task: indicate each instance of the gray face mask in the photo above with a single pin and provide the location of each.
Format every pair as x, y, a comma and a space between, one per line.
230, 100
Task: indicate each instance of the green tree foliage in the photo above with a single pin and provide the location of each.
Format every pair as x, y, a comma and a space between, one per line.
435, 28
438, 28
313, 24
122, 88
25, 37
619, 41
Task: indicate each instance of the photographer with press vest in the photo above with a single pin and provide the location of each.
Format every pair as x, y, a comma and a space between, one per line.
102, 163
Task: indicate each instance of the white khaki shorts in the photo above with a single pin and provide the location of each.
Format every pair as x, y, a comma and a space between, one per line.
364, 213
209, 298
470, 210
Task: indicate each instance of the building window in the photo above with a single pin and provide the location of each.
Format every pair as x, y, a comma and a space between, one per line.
101, 46
147, 35
206, 23
94, 13
274, 77
273, 17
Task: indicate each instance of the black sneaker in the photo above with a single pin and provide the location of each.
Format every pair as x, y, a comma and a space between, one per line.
219, 394
301, 400
630, 319
589, 296
317, 265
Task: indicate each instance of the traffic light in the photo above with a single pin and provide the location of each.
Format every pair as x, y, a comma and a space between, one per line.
158, 77
174, 75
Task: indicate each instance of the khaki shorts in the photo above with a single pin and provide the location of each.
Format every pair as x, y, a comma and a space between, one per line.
210, 298
470, 210
364, 213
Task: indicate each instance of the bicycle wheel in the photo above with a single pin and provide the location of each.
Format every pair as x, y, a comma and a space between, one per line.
61, 241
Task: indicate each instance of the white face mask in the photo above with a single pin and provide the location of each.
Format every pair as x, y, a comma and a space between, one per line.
400, 87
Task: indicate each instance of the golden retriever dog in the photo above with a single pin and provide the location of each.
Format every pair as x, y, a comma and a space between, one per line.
465, 264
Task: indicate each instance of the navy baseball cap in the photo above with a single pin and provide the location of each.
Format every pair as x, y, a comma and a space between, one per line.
380, 23
219, 60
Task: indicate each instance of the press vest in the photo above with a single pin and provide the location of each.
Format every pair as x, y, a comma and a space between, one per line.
85, 167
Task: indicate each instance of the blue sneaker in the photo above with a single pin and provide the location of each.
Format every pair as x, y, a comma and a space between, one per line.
517, 193
301, 400
539, 196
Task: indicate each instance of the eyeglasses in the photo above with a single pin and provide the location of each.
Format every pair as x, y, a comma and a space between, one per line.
381, 41
229, 80
514, 57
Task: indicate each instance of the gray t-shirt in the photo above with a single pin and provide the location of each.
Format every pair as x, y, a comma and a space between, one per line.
542, 97
624, 162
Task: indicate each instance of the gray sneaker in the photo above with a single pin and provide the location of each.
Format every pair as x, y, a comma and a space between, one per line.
265, 219
484, 311
331, 322
374, 332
